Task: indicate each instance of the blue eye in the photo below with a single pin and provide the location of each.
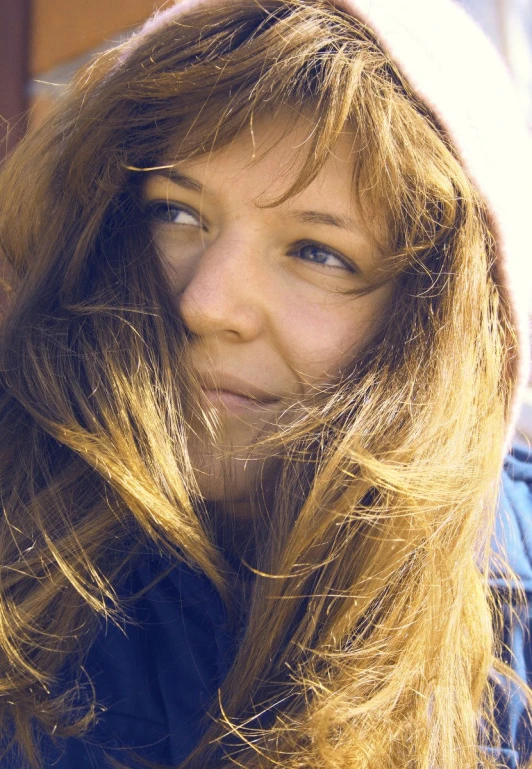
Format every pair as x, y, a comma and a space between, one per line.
165, 212
318, 254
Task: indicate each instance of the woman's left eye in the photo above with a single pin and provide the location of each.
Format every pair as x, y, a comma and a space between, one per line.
318, 254
166, 212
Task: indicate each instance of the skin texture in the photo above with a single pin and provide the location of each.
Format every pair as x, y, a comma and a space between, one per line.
262, 290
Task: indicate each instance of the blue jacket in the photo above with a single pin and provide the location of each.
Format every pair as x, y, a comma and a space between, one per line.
157, 678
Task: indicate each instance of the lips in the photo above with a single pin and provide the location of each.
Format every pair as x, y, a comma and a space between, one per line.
235, 394
233, 402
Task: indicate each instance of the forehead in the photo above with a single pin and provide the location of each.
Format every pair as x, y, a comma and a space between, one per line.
264, 160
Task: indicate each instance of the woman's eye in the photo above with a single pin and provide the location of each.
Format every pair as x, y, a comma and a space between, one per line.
316, 254
170, 213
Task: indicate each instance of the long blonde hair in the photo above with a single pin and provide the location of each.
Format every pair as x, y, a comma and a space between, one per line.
371, 637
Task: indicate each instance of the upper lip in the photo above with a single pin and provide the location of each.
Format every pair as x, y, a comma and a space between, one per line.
230, 383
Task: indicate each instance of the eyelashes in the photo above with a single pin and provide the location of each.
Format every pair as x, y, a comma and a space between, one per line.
316, 253
165, 212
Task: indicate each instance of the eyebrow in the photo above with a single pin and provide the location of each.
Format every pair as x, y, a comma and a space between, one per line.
306, 217
331, 220
178, 177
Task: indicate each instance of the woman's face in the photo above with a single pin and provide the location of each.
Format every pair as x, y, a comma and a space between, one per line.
262, 290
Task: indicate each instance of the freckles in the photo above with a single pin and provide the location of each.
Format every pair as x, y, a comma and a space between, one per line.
321, 345
323, 339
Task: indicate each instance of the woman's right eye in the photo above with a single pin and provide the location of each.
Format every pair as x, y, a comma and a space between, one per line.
165, 212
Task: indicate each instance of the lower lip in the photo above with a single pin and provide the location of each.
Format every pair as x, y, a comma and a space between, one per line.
238, 404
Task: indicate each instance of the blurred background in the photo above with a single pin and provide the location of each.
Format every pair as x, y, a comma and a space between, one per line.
43, 42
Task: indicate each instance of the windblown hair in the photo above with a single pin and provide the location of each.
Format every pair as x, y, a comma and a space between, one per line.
371, 639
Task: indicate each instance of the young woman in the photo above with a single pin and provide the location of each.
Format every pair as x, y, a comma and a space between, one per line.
262, 351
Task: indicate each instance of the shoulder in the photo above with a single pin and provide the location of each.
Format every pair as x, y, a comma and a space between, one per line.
512, 537
512, 547
155, 676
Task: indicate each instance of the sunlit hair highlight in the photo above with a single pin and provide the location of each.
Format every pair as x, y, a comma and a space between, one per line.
369, 640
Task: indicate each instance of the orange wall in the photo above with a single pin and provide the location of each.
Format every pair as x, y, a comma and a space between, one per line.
64, 29
61, 31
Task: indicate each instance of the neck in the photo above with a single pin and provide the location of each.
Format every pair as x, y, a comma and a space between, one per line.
234, 530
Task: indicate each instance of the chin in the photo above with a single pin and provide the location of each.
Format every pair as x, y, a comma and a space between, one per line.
229, 480
223, 473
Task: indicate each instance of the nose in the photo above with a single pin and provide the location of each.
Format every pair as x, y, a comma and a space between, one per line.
224, 294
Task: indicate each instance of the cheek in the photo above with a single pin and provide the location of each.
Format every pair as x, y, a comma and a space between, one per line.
178, 259
321, 339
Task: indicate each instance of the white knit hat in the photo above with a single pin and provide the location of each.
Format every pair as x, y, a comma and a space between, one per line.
454, 69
